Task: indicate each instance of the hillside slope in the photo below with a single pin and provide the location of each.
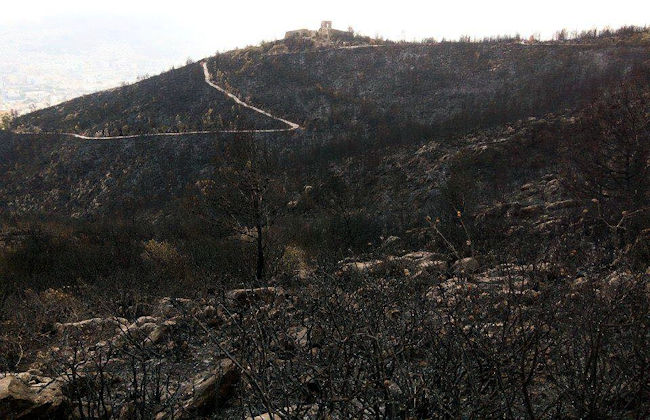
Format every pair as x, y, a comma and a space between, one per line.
350, 101
448, 86
458, 85
393, 259
60, 176
176, 101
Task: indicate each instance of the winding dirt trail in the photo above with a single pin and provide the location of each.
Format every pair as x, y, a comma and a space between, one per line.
206, 73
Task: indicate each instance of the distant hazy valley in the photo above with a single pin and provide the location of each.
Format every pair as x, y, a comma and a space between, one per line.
45, 63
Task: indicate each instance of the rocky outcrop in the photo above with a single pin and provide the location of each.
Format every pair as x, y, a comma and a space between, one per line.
358, 267
40, 398
205, 394
213, 391
95, 355
16, 398
413, 264
251, 296
160, 332
206, 357
91, 325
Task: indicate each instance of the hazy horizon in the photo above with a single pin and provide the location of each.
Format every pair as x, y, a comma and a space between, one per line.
87, 47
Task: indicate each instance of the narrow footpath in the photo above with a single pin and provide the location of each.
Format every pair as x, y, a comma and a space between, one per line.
206, 73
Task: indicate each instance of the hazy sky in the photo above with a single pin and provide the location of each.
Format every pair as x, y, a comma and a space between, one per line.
220, 25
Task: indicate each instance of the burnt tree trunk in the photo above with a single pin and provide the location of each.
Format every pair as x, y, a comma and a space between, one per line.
260, 253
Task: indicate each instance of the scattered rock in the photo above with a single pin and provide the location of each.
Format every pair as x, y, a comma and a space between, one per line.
390, 240
51, 399
300, 335
213, 317
558, 205
547, 226
160, 333
433, 266
16, 398
90, 325
361, 267
145, 320
170, 307
530, 211
19, 401
250, 296
552, 188
466, 266
213, 391
265, 416
419, 256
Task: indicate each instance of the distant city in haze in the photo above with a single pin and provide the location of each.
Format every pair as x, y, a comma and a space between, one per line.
47, 62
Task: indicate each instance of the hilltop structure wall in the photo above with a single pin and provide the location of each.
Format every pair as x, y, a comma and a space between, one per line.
326, 32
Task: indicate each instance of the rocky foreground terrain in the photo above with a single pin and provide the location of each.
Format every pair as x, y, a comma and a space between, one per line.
355, 350
458, 230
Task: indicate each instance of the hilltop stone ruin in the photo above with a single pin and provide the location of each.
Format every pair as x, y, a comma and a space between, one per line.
326, 33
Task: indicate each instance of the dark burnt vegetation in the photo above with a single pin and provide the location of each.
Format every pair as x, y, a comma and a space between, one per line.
424, 88
375, 265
